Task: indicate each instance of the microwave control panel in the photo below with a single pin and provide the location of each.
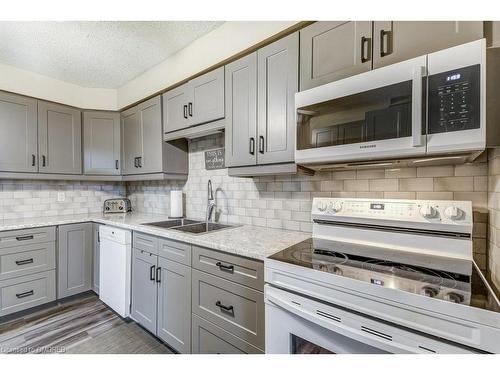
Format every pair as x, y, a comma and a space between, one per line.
454, 100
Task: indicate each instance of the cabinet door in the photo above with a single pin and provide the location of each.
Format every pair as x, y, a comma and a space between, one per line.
278, 78
402, 40
18, 133
150, 158
175, 109
174, 305
95, 259
241, 113
333, 50
206, 101
101, 143
131, 140
74, 263
59, 139
144, 289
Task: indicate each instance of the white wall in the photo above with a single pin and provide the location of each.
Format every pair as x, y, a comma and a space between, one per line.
223, 42
33, 84
229, 39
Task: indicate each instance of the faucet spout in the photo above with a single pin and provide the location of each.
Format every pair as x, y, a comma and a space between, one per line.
210, 201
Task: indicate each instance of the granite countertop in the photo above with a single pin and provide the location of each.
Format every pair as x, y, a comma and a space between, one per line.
249, 241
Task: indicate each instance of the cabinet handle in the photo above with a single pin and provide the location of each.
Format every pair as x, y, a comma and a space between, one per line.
44, 160
224, 307
225, 267
33, 160
24, 261
152, 273
261, 144
385, 49
365, 53
158, 273
25, 294
190, 109
252, 146
185, 111
136, 161
116, 164
139, 161
24, 238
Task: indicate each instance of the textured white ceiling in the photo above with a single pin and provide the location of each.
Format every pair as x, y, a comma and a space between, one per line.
104, 54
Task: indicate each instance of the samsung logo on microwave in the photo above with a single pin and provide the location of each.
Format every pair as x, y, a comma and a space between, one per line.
367, 146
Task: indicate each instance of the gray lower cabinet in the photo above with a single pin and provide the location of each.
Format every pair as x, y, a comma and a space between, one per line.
174, 305
241, 111
95, 258
211, 339
332, 50
101, 143
74, 260
18, 133
395, 41
59, 139
144, 289
277, 67
27, 259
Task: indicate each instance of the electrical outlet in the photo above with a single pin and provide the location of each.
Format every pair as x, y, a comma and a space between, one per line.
61, 197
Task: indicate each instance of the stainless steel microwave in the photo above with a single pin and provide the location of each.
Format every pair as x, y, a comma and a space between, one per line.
430, 105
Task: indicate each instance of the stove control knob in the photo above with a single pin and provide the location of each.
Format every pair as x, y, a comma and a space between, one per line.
321, 206
429, 291
335, 206
428, 212
453, 213
454, 297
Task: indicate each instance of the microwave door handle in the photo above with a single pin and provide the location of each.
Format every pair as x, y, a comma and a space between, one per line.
416, 108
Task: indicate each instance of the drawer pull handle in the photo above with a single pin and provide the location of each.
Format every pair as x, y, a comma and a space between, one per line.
152, 273
224, 307
24, 261
225, 267
24, 238
25, 294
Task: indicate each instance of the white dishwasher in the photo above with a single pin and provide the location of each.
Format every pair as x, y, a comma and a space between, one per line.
115, 268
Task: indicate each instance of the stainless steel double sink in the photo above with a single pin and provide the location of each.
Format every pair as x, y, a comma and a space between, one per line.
190, 226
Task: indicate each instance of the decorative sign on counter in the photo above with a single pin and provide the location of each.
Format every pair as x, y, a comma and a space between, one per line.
214, 159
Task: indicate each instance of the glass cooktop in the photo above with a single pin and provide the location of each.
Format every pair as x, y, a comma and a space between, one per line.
453, 280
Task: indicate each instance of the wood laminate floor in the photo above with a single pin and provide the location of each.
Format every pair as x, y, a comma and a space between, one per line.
83, 325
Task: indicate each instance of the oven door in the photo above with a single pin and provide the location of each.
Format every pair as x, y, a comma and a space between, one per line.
300, 325
457, 99
373, 115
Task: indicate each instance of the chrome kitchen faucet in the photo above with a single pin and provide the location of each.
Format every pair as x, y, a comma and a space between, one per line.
210, 201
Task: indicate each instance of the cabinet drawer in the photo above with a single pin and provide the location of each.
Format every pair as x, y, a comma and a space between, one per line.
240, 270
27, 259
27, 291
211, 339
145, 242
177, 251
27, 236
233, 307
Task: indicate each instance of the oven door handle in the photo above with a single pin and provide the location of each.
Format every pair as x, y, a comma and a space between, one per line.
416, 108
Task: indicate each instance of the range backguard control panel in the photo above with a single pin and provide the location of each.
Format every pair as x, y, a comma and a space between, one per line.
454, 100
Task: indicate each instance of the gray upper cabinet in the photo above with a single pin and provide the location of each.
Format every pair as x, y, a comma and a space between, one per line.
333, 50
59, 139
206, 102
196, 102
241, 111
175, 109
401, 40
101, 143
142, 140
144, 289
74, 263
174, 305
18, 133
278, 65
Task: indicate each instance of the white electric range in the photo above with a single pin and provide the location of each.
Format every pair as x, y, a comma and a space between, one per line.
381, 276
